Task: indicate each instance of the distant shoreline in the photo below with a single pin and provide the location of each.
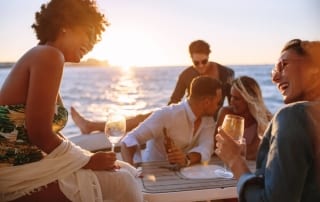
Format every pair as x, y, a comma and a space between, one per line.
4, 65
81, 64
89, 62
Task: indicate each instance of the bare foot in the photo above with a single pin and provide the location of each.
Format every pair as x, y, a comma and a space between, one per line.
80, 121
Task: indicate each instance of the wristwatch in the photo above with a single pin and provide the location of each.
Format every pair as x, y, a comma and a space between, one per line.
187, 160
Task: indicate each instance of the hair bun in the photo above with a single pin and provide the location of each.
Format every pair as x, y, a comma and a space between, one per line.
313, 50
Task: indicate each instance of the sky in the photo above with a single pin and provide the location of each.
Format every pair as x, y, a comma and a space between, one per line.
158, 32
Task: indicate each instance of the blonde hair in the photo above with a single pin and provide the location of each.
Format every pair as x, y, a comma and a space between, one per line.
250, 91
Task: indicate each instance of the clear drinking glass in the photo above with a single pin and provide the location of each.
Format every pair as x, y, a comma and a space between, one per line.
115, 128
233, 125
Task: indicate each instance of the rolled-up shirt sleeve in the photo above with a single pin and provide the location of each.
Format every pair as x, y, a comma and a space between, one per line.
147, 130
130, 140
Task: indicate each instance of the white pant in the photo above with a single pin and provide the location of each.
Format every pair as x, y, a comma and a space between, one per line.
119, 186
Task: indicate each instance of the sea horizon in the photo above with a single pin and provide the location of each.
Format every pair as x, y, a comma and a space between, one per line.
102, 65
96, 91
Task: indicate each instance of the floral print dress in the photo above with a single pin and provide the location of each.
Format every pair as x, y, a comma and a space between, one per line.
15, 147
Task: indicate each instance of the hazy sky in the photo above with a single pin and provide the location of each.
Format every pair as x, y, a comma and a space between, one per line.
158, 32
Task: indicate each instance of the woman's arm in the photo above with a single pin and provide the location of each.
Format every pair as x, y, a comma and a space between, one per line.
221, 114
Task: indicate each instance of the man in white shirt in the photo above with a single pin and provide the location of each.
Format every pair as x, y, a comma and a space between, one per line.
189, 124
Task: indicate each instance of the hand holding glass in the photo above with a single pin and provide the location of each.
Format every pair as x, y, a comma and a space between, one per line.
115, 128
233, 125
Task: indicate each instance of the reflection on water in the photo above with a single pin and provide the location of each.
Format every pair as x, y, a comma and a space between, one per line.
97, 91
124, 91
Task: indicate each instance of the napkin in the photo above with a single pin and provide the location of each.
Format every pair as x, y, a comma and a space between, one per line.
92, 142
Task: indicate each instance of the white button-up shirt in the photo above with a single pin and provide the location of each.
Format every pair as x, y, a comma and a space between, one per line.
179, 120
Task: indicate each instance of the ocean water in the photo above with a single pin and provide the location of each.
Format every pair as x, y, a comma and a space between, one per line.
96, 91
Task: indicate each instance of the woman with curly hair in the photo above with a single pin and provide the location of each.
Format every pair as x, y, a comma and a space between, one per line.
36, 162
247, 101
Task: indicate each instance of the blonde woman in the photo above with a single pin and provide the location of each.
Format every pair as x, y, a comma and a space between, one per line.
246, 101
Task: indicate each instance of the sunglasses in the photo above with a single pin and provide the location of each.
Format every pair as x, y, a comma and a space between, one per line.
197, 63
281, 66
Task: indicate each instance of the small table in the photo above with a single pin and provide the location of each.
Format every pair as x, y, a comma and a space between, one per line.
162, 184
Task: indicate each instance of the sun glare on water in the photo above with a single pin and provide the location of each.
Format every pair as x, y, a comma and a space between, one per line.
127, 48
125, 67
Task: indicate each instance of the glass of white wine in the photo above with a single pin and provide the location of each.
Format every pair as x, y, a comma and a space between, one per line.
115, 128
233, 125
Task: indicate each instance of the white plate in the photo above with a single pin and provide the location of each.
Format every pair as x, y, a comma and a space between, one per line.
200, 171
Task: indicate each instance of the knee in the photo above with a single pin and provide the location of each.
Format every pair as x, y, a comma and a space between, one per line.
127, 177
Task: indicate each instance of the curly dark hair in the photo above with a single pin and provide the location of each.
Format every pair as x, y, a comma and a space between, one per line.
59, 14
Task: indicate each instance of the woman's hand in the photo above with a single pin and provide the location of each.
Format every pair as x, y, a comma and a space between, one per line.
102, 161
227, 149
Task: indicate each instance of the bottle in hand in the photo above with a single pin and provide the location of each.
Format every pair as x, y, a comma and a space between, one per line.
168, 142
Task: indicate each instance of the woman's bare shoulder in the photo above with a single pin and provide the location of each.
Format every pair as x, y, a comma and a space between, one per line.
43, 57
44, 52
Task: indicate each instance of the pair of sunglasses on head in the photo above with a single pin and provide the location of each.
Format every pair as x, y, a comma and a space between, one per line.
197, 63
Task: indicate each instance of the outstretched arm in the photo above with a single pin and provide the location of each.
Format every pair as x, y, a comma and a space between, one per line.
127, 153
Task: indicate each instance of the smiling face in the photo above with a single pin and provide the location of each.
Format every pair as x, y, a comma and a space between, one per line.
76, 42
292, 76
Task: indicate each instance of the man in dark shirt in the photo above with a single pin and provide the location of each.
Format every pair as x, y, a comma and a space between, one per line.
199, 52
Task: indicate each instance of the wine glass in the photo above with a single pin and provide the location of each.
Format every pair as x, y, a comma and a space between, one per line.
115, 128
233, 125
